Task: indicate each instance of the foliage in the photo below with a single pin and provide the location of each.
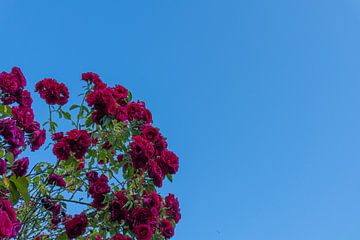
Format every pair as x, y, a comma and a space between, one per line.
109, 166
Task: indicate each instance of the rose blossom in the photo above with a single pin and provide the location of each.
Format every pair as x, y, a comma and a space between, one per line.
61, 150
2, 166
138, 111
168, 162
167, 229
24, 99
150, 133
20, 167
6, 226
76, 226
143, 232
141, 150
52, 91
121, 237
57, 180
37, 139
172, 205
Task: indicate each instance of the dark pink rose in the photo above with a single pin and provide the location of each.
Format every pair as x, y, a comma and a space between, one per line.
142, 216
143, 232
6, 226
20, 76
150, 133
57, 136
8, 208
121, 237
79, 142
167, 229
24, 116
52, 91
120, 114
37, 139
24, 99
57, 180
168, 162
173, 210
138, 111
2, 166
34, 126
92, 176
20, 167
95, 79
99, 187
61, 150
155, 173
76, 226
9, 83
141, 150
152, 200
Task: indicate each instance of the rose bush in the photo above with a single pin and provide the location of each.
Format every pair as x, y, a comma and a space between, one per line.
109, 165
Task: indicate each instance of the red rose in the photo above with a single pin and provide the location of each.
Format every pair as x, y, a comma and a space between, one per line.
79, 142
52, 91
24, 99
6, 226
169, 162
167, 229
121, 237
99, 186
150, 133
57, 180
141, 150
2, 166
37, 139
102, 101
142, 216
19, 76
160, 145
34, 126
143, 232
120, 114
138, 111
76, 226
57, 136
152, 200
92, 176
9, 83
155, 173
95, 79
24, 116
173, 210
61, 150
20, 167
117, 212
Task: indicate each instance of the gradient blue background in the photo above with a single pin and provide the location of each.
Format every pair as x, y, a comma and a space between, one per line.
259, 98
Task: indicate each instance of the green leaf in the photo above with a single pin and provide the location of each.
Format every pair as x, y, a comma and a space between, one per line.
22, 185
74, 107
10, 157
62, 236
169, 177
14, 194
67, 115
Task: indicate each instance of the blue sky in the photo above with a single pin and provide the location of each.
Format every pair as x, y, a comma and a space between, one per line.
260, 99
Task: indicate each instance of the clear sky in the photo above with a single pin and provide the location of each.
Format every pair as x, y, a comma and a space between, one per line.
260, 99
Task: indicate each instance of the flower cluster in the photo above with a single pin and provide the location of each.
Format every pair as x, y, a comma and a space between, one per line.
76, 142
52, 91
22, 122
98, 188
114, 153
9, 225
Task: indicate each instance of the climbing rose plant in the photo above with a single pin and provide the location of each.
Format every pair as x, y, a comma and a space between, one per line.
109, 165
